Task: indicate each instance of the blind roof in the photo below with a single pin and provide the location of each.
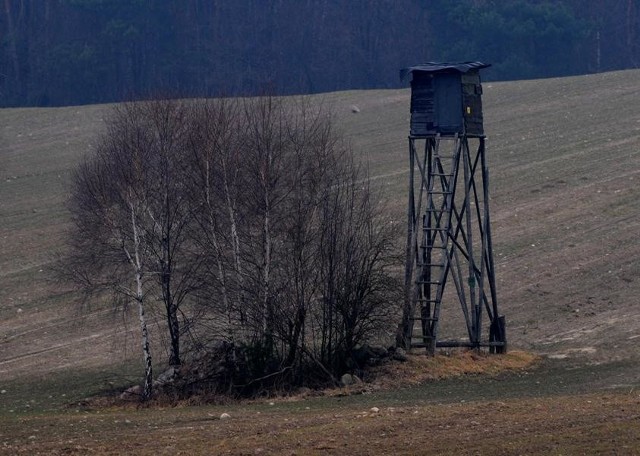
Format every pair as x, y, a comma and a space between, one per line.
435, 67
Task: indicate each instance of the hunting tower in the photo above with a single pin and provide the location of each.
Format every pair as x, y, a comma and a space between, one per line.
449, 230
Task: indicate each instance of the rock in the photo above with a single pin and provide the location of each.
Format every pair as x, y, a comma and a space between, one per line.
304, 391
380, 352
399, 354
166, 377
349, 379
346, 380
355, 109
132, 394
374, 409
225, 416
368, 355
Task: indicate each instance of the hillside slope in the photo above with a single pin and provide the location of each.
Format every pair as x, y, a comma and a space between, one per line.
565, 165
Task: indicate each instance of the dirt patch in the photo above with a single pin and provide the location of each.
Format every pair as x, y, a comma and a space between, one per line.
586, 424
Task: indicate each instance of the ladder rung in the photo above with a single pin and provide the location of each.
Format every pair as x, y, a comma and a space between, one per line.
437, 192
442, 174
428, 228
441, 247
427, 282
418, 344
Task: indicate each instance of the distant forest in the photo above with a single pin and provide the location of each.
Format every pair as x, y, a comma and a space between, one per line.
64, 52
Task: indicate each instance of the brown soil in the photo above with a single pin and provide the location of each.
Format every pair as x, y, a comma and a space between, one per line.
584, 424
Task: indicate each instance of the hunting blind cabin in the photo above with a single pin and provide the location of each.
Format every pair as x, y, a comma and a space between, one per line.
449, 229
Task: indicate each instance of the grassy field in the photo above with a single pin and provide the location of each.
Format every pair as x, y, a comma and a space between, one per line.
546, 410
564, 156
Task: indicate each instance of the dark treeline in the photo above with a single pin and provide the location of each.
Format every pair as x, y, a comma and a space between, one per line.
60, 52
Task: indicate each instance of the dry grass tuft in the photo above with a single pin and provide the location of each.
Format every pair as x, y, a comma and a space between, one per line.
420, 368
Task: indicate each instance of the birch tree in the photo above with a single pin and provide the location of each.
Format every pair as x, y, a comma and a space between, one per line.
131, 219
108, 246
169, 213
216, 148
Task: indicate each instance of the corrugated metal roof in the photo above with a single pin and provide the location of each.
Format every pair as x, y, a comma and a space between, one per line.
435, 67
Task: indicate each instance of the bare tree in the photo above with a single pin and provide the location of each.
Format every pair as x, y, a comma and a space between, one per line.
266, 147
108, 245
130, 213
175, 264
216, 188
311, 147
356, 260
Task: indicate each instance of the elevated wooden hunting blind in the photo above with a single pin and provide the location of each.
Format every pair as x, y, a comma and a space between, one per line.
446, 98
449, 230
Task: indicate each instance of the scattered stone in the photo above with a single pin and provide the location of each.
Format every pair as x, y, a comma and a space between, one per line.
225, 416
3, 392
272, 403
349, 379
304, 391
374, 409
131, 394
166, 377
355, 109
399, 354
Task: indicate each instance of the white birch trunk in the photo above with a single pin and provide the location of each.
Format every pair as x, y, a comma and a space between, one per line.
136, 262
146, 349
218, 252
235, 239
266, 244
